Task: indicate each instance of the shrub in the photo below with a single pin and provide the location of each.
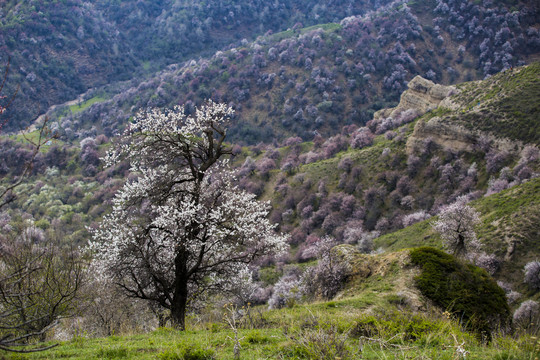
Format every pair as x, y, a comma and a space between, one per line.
465, 290
488, 262
361, 138
495, 161
287, 291
413, 218
365, 244
324, 343
512, 297
345, 164
327, 277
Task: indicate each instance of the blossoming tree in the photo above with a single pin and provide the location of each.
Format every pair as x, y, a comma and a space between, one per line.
181, 228
456, 225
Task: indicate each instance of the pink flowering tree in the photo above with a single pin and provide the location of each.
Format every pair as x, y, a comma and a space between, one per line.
182, 228
532, 274
328, 276
456, 225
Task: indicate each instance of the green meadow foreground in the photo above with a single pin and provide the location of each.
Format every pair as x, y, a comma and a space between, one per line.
331, 330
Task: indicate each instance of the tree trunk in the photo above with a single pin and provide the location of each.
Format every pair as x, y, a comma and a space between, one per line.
178, 312
180, 296
460, 249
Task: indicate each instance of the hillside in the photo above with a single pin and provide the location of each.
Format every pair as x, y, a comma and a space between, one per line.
392, 173
381, 174
317, 79
365, 182
355, 186
509, 229
59, 50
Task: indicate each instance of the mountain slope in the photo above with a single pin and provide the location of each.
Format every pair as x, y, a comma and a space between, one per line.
61, 49
318, 79
359, 176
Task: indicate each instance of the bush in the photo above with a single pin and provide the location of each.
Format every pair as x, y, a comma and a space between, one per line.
465, 290
328, 276
488, 262
287, 292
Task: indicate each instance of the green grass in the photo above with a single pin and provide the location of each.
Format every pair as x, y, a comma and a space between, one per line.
85, 104
370, 312
419, 234
301, 332
330, 27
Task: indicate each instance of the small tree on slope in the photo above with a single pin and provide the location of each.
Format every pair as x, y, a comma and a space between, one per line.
456, 225
181, 228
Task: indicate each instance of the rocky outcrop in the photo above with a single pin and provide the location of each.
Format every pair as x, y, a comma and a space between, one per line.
422, 95
443, 133
449, 135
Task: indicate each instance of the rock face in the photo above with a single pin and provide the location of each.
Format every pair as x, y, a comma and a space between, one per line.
423, 95
443, 133
447, 134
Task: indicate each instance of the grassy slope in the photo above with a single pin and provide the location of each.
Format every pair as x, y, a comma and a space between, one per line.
505, 105
511, 214
274, 344
85, 104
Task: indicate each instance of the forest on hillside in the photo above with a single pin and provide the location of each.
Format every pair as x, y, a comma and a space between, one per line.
284, 83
